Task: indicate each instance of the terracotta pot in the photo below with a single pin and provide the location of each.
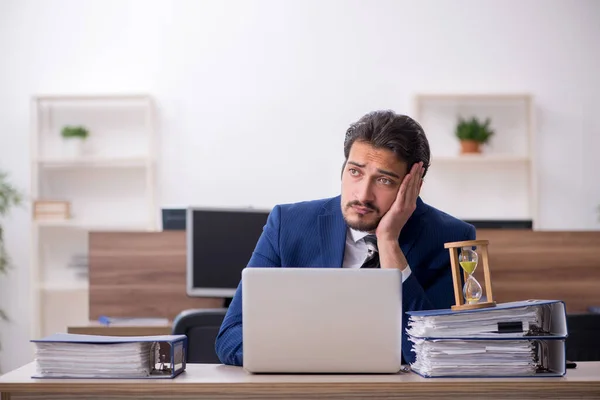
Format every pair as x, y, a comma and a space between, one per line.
469, 146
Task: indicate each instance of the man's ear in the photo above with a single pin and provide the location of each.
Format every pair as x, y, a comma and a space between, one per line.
420, 185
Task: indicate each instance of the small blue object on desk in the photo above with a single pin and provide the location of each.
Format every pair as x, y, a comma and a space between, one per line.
132, 321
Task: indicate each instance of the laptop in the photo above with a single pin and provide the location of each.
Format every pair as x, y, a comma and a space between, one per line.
322, 320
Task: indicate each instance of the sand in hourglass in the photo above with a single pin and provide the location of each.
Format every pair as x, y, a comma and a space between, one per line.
468, 266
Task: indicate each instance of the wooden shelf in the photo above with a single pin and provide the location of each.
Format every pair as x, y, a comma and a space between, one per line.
106, 97
89, 226
109, 183
472, 96
65, 163
503, 178
481, 158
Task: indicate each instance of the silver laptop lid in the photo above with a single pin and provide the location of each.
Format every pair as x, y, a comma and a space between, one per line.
331, 320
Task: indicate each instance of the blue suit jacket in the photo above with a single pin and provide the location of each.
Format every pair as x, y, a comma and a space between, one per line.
313, 234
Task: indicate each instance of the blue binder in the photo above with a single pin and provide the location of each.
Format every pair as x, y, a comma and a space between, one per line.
166, 355
498, 324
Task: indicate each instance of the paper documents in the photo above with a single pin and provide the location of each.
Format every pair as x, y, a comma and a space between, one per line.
519, 321
92, 356
127, 360
512, 339
447, 357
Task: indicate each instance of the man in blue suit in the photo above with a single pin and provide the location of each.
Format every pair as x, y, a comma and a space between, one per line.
378, 221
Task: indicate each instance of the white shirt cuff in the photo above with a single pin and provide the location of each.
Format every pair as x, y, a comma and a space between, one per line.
406, 273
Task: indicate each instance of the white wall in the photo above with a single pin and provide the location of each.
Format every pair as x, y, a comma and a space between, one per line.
255, 96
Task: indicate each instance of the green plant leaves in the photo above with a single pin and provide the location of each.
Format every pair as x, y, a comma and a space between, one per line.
9, 197
4, 259
474, 129
75, 132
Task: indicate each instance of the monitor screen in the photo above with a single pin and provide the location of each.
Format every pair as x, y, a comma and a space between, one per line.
220, 243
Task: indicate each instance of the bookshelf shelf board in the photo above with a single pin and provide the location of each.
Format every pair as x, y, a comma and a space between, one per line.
481, 158
57, 163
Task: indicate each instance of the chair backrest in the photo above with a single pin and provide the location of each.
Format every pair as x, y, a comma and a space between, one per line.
583, 342
201, 327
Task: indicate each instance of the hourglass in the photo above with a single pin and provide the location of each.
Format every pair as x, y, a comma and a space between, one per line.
468, 297
472, 290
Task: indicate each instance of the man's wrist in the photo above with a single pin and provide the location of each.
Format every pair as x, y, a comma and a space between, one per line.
388, 243
391, 255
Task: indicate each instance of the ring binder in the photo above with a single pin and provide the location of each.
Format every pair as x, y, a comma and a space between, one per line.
65, 355
524, 338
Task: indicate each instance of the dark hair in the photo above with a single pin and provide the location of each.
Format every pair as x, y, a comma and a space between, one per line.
398, 133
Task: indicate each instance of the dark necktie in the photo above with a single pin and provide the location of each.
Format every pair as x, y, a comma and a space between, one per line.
372, 260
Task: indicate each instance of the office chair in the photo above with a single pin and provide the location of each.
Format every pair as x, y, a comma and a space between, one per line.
583, 342
201, 327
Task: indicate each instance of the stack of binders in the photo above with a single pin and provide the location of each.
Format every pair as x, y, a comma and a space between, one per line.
65, 355
517, 339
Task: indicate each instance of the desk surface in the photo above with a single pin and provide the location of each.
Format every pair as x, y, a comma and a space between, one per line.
227, 382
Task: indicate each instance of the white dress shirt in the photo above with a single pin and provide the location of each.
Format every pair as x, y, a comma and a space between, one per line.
355, 251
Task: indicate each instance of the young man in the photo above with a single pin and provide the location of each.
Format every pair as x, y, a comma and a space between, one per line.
378, 221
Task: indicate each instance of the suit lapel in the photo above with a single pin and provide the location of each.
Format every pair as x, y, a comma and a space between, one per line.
332, 234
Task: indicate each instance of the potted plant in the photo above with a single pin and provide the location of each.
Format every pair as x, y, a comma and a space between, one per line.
74, 137
472, 133
9, 197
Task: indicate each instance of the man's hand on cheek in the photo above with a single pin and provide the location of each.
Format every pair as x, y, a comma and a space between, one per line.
393, 221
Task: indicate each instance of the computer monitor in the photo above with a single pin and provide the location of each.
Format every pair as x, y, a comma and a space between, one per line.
220, 243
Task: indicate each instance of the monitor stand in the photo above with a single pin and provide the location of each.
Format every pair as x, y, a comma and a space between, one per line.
227, 302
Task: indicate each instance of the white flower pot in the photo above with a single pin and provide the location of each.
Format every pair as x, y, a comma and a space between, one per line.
72, 147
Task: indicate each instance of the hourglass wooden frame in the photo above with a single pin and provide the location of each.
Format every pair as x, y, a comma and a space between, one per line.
458, 290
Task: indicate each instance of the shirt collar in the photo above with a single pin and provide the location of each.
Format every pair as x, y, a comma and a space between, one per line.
357, 235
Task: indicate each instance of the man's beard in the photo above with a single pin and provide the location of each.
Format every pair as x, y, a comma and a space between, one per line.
361, 225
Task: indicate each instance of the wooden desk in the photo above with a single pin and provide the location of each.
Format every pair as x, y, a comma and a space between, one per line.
209, 381
96, 328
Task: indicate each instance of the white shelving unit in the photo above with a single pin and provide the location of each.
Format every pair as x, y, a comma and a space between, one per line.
110, 185
499, 183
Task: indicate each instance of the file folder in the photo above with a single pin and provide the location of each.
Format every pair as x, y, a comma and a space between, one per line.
64, 355
545, 319
515, 339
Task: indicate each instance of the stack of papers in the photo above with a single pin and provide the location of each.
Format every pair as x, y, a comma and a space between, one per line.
512, 339
447, 357
78, 360
477, 324
65, 355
